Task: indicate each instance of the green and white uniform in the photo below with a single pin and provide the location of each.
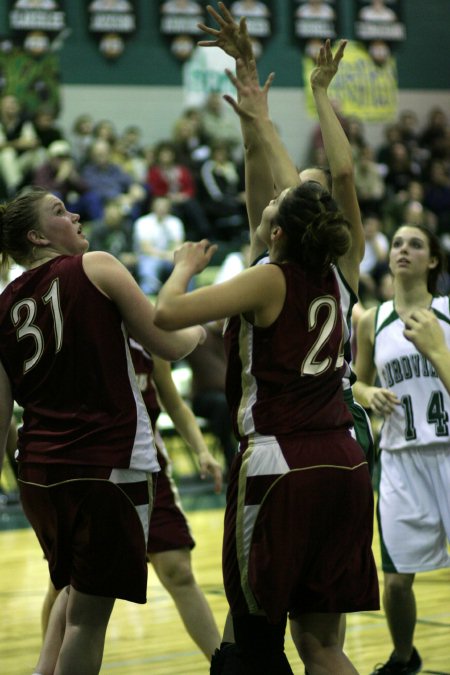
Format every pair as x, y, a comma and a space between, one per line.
414, 491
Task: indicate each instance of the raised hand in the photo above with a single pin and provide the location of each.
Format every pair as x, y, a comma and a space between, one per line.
195, 256
327, 65
231, 37
252, 98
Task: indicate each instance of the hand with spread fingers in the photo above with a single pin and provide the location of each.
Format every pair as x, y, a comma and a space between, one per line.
327, 65
231, 37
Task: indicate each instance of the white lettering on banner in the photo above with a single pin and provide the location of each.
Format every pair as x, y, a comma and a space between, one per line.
181, 24
36, 19
121, 23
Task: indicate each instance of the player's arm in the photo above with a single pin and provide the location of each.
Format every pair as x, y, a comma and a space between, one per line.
339, 156
381, 401
258, 292
184, 421
268, 167
116, 282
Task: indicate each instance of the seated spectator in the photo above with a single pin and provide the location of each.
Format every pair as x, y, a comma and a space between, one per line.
168, 178
59, 175
108, 180
129, 153
396, 209
105, 130
219, 124
392, 135
19, 144
401, 169
437, 194
46, 127
114, 233
375, 260
81, 138
190, 141
369, 182
223, 195
434, 130
356, 135
156, 235
408, 124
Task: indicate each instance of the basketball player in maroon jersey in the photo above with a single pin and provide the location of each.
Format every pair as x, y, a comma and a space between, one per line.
170, 540
299, 516
85, 451
268, 166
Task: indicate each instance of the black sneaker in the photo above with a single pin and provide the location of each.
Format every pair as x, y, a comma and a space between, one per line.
396, 667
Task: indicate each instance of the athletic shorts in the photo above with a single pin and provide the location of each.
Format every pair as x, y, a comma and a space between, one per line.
362, 429
298, 528
169, 529
414, 509
92, 524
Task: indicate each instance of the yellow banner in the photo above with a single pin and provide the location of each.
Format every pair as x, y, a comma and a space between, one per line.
361, 88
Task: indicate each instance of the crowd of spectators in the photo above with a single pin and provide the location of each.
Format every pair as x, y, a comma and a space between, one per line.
404, 180
191, 184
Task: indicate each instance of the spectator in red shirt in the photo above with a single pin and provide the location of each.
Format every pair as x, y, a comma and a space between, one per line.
167, 178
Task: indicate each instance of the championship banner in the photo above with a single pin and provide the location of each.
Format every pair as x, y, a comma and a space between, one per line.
178, 24
379, 25
111, 22
179, 21
37, 25
362, 88
314, 22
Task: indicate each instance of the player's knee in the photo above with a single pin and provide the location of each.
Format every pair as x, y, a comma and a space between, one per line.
397, 585
177, 576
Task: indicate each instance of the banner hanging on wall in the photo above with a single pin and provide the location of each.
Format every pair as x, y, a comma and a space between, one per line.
361, 87
178, 23
111, 23
379, 25
39, 26
313, 22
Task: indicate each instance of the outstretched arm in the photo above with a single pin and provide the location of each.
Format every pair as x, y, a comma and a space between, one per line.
339, 156
268, 167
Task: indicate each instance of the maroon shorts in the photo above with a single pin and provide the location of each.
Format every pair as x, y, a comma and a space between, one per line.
169, 529
89, 528
298, 528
